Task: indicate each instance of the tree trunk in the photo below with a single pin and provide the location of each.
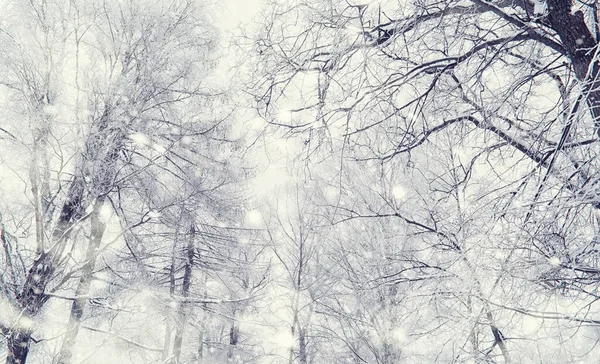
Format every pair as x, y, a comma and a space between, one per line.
302, 344
200, 352
102, 148
581, 48
18, 347
83, 287
234, 336
169, 325
203, 333
185, 291
32, 297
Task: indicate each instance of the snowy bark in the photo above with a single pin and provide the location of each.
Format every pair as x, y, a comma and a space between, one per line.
83, 287
185, 292
102, 149
581, 49
33, 296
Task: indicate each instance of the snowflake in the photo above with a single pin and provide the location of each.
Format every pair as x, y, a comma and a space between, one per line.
254, 218
555, 261
399, 192
139, 139
186, 140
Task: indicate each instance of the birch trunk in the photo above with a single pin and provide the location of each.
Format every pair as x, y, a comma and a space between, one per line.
83, 287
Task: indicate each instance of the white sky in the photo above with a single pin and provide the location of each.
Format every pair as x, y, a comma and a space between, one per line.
237, 12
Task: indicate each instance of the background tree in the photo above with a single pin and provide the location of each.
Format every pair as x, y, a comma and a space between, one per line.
296, 230
123, 124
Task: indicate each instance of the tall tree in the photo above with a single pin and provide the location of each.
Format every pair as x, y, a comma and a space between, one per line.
489, 108
295, 231
111, 93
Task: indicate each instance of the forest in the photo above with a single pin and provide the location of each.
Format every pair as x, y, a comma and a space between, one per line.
300, 181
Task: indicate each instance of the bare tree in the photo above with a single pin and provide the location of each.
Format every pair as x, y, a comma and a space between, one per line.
139, 70
482, 114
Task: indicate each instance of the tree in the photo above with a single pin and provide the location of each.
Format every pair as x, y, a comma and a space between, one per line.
490, 109
294, 232
111, 94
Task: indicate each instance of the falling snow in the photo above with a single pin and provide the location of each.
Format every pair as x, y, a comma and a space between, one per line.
311, 181
140, 139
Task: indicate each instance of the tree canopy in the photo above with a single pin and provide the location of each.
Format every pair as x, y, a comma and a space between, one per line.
331, 181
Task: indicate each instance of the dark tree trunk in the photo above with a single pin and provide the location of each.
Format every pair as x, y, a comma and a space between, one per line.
581, 46
18, 347
234, 337
302, 344
185, 292
102, 147
33, 296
